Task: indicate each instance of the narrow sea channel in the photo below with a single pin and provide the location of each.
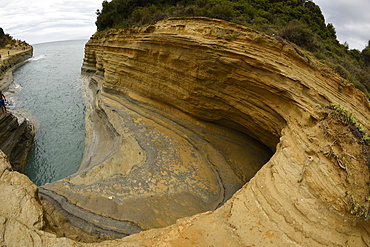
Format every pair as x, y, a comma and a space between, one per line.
51, 95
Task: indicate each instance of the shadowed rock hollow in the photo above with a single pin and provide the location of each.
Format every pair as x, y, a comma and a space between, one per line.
183, 114
161, 145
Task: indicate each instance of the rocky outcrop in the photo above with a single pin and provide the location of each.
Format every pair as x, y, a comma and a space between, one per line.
22, 215
16, 133
185, 112
9, 63
147, 161
16, 139
20, 208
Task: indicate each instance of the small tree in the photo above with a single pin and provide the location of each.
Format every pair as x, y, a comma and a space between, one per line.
2, 34
365, 54
4, 38
331, 31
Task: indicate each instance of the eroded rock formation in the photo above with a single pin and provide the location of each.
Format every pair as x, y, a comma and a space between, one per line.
16, 139
16, 133
9, 63
156, 153
174, 109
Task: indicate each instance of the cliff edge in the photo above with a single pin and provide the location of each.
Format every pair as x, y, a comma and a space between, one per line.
16, 133
206, 133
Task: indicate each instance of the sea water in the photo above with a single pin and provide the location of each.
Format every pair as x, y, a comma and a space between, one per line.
51, 96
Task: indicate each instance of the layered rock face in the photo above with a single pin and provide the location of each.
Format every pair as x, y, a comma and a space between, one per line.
183, 113
160, 149
16, 139
23, 220
20, 209
16, 134
9, 63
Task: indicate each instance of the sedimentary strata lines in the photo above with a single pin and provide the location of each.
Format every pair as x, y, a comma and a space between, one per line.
173, 107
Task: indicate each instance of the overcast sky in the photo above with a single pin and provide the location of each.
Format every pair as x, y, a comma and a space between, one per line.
351, 19
38, 21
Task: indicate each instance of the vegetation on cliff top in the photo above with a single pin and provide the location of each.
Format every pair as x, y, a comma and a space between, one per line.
298, 21
6, 39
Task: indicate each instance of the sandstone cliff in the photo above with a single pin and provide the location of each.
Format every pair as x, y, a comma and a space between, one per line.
16, 139
183, 114
16, 134
9, 63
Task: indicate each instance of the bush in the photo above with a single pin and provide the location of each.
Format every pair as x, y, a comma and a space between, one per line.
340, 70
5, 38
222, 11
146, 16
300, 35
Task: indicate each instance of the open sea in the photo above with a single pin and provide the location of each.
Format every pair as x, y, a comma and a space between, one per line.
49, 92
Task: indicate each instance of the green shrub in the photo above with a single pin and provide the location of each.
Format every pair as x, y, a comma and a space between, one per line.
224, 11
339, 69
5, 38
300, 35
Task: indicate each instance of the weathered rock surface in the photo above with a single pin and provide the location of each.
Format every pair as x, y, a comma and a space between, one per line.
173, 106
16, 133
16, 139
147, 162
22, 217
9, 63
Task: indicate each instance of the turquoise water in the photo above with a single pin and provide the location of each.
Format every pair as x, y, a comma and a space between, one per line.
51, 96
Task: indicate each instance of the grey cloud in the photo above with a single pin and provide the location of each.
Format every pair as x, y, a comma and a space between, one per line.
350, 19
52, 20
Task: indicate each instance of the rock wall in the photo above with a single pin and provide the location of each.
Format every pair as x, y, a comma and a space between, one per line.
22, 216
16, 133
16, 139
157, 151
183, 113
9, 63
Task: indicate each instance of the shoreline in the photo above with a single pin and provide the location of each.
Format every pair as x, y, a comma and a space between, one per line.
10, 63
17, 132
